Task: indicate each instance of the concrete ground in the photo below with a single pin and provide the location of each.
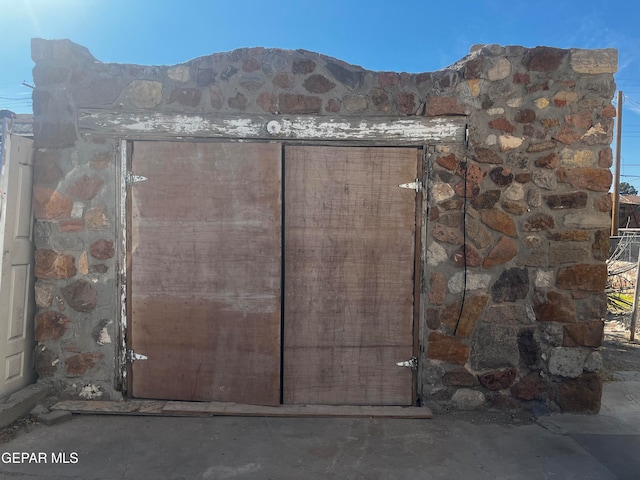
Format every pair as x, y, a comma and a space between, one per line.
92, 447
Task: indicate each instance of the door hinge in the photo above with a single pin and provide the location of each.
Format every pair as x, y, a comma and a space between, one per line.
417, 185
130, 178
132, 356
412, 363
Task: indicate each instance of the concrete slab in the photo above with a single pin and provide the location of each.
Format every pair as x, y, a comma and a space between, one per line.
21, 403
178, 448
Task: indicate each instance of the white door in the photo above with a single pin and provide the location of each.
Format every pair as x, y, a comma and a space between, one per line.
16, 279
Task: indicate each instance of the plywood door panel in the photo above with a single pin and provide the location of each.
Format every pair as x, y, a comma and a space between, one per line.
349, 269
206, 271
16, 276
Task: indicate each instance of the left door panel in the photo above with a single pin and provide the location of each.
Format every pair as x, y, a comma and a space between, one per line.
205, 271
16, 276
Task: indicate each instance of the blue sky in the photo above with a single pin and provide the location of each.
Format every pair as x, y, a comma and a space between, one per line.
400, 35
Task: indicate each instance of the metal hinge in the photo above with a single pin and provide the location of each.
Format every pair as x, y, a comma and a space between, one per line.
130, 178
132, 356
417, 185
412, 363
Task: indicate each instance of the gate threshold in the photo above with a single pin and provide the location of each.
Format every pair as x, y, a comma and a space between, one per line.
212, 409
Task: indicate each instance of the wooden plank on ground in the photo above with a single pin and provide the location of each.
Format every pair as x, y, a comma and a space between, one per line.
351, 411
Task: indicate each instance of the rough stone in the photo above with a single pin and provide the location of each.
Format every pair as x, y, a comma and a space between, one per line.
441, 192
85, 188
548, 161
567, 362
292, 103
557, 307
512, 285
567, 200
145, 94
447, 234
594, 61
437, 106
79, 364
461, 319
50, 204
46, 169
601, 245
80, 296
96, 218
580, 395
437, 291
501, 176
179, 73
238, 102
303, 66
436, 254
536, 147
354, 103
50, 325
502, 252
498, 379
44, 293
542, 103
406, 102
584, 334
564, 98
531, 387
318, 84
467, 399
267, 101
447, 348
567, 135
499, 221
514, 192
494, 346
525, 116
459, 377
569, 236
509, 142
544, 59
587, 277
102, 249
474, 281
380, 100
500, 70
352, 79
486, 200
594, 362
587, 220
189, 97
605, 158
502, 124
539, 222
509, 314
514, 208
52, 265
486, 155
567, 253
467, 256
283, 81
479, 235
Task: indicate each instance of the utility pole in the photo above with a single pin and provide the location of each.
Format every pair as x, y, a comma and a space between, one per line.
615, 204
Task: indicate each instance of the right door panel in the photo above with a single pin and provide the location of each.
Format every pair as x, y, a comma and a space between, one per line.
349, 275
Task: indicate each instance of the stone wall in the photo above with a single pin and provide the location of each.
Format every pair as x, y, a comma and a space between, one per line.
516, 224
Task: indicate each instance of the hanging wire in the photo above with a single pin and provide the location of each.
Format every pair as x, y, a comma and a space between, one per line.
463, 167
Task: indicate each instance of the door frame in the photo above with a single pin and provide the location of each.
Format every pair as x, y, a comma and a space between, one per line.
421, 133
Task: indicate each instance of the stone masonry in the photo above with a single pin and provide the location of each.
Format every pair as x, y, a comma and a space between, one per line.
516, 224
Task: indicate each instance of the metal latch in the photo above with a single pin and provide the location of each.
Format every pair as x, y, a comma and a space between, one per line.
412, 363
417, 185
130, 178
132, 356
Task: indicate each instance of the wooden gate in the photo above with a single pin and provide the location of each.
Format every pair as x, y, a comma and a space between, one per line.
349, 268
205, 271
206, 243
16, 276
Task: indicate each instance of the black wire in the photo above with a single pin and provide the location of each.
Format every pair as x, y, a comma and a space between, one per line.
464, 238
